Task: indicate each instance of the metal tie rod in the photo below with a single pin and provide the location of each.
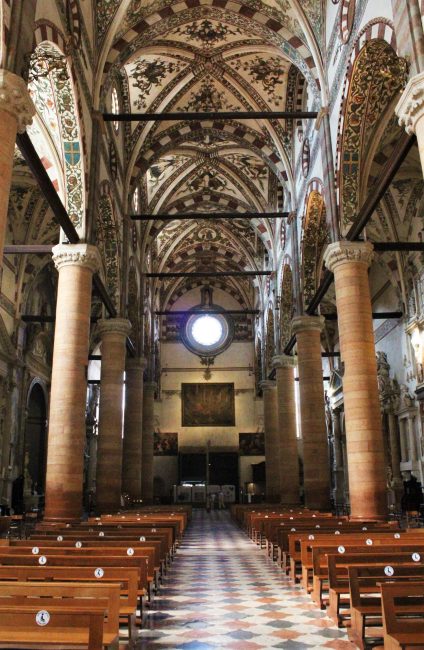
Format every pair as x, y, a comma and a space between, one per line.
208, 312
208, 274
179, 216
213, 115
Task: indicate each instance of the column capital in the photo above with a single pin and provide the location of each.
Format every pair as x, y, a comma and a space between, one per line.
307, 323
77, 255
136, 363
120, 326
343, 252
267, 384
283, 361
15, 99
411, 105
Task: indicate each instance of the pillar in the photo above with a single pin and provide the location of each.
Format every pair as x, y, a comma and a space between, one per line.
316, 471
147, 441
410, 111
132, 450
287, 429
349, 261
272, 448
113, 333
76, 264
16, 112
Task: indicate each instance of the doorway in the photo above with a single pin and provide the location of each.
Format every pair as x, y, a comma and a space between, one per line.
36, 441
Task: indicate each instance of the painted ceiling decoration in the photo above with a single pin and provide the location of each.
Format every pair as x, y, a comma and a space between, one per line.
197, 57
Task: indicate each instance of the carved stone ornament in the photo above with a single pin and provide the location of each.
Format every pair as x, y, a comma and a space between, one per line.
116, 326
283, 361
305, 323
15, 99
77, 255
267, 384
343, 252
411, 105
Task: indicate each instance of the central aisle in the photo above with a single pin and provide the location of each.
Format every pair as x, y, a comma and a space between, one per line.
223, 592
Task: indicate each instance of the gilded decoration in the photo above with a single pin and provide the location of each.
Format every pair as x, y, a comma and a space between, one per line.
286, 305
378, 76
315, 237
108, 239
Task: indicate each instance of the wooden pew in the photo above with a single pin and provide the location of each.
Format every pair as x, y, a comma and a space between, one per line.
365, 597
403, 615
67, 595
77, 627
127, 578
339, 593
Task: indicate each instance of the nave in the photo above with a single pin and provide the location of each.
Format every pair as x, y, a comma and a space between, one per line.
223, 592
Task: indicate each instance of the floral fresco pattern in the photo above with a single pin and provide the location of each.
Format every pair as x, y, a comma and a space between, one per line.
149, 73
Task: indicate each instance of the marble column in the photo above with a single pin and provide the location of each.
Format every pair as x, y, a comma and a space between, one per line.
316, 470
133, 428
147, 441
272, 448
287, 429
76, 264
16, 113
349, 261
410, 111
113, 333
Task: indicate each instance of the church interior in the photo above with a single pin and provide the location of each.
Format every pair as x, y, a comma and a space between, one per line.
212, 324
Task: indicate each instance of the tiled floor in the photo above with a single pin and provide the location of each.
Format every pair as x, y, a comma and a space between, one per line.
223, 592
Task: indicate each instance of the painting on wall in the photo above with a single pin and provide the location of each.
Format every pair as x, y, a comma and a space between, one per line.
208, 405
165, 444
252, 444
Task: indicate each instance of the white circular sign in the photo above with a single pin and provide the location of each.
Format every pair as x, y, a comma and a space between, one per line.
389, 571
337, 532
142, 539
153, 530
42, 559
59, 538
78, 544
101, 534
416, 557
130, 551
99, 573
364, 528
291, 518
42, 617
313, 516
68, 525
293, 530
35, 550
397, 535
341, 549
311, 537
369, 542
317, 526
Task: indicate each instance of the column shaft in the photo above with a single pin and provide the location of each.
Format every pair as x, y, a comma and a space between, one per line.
316, 470
364, 438
287, 429
113, 333
147, 442
272, 448
66, 438
132, 449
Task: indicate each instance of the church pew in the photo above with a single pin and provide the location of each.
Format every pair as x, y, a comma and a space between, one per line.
79, 627
338, 577
403, 615
69, 595
365, 597
127, 578
5, 525
314, 571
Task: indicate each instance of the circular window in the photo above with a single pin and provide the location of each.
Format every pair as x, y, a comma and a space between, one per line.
207, 334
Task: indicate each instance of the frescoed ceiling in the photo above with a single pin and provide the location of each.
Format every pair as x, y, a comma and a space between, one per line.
199, 57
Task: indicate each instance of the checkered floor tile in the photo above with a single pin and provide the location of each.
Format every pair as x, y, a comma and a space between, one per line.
223, 592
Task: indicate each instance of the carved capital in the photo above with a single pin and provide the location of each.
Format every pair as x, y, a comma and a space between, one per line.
411, 105
77, 255
307, 323
267, 384
283, 361
116, 326
344, 252
15, 99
